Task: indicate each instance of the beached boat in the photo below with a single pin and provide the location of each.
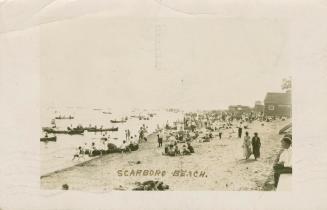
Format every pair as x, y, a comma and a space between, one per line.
52, 138
286, 129
118, 121
94, 129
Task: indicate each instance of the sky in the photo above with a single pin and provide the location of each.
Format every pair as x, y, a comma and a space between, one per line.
157, 62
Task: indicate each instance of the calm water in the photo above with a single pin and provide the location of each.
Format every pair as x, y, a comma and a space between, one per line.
58, 155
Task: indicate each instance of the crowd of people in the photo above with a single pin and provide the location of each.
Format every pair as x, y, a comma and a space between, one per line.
177, 140
106, 145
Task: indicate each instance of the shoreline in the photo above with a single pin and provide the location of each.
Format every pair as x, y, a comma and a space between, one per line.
83, 162
221, 160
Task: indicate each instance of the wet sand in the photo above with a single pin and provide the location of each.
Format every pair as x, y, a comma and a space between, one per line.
220, 163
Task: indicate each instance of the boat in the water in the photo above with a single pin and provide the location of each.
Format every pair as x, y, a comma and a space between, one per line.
68, 131
64, 118
143, 118
45, 139
95, 129
106, 112
118, 121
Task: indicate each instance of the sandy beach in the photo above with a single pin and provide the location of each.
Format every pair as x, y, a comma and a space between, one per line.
215, 165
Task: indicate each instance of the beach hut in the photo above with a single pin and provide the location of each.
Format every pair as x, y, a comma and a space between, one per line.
278, 104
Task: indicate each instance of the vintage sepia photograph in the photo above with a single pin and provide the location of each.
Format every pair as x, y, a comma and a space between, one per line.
156, 104
105, 103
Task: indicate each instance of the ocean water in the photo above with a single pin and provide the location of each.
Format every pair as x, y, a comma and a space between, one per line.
58, 155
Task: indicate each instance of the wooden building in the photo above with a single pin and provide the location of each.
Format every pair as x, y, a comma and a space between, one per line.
278, 104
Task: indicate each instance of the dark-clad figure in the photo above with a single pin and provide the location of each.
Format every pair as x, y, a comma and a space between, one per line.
256, 144
240, 130
160, 139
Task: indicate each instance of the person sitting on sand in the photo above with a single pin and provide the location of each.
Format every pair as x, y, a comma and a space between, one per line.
171, 150
185, 150
65, 187
166, 149
124, 147
112, 148
283, 163
189, 147
93, 149
134, 144
86, 149
151, 186
177, 151
206, 138
103, 147
79, 153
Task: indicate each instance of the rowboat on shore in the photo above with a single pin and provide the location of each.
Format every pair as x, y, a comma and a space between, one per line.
94, 129
45, 139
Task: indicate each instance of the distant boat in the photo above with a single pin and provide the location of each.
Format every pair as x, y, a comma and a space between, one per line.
94, 129
52, 138
68, 131
118, 121
64, 118
143, 118
106, 112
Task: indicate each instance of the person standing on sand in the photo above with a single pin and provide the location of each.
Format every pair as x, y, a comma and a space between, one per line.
141, 134
247, 146
240, 130
256, 144
220, 132
160, 138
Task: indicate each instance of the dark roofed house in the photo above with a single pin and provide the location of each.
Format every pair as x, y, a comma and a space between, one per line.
278, 104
